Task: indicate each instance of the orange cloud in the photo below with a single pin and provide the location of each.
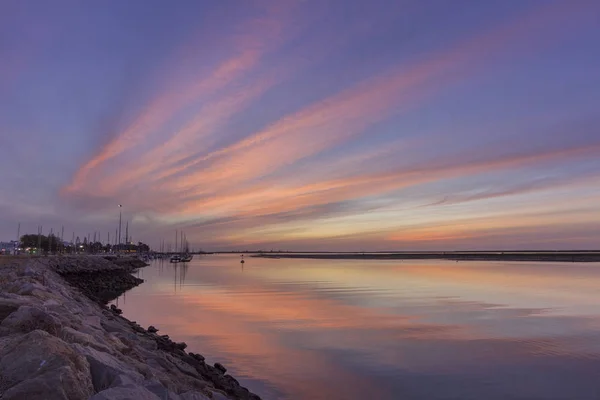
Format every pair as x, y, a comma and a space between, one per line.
160, 111
338, 118
248, 182
250, 47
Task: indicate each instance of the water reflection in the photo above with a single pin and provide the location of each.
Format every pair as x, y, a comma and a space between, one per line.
349, 329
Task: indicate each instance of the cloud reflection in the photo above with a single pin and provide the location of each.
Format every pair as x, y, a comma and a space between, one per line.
348, 329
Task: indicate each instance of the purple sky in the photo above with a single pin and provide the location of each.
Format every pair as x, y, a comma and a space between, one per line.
304, 125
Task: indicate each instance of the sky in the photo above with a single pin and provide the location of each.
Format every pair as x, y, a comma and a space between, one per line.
344, 125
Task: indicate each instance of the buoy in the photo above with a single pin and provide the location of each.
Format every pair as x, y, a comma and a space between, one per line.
242, 261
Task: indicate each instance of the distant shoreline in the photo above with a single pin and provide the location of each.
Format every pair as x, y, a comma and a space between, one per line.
548, 256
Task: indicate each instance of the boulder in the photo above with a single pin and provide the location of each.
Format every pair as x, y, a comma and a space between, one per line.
28, 271
105, 368
152, 329
9, 306
29, 318
125, 388
220, 368
193, 395
31, 289
181, 345
52, 303
162, 392
31, 366
44, 387
115, 326
198, 357
119, 341
183, 367
125, 393
71, 335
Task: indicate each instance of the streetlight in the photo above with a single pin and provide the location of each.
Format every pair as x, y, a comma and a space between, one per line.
120, 206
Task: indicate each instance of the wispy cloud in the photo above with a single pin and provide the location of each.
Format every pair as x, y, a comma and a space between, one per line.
184, 159
250, 46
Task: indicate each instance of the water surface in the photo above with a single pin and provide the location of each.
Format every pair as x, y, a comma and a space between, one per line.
355, 329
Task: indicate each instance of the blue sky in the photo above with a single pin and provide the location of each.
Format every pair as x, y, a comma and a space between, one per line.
346, 125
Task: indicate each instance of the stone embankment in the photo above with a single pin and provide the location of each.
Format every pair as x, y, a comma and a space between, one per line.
59, 340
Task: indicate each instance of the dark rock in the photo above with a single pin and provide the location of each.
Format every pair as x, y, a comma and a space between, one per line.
28, 318
232, 380
125, 393
102, 285
31, 288
31, 366
160, 391
220, 368
192, 395
181, 345
105, 369
8, 306
152, 329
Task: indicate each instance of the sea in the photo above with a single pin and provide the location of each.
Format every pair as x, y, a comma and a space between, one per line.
383, 329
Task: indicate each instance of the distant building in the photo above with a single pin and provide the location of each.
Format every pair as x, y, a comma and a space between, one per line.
9, 247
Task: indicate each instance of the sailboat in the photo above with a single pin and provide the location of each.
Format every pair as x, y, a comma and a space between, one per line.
186, 257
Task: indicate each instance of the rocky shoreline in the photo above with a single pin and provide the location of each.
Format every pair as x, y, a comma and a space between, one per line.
59, 340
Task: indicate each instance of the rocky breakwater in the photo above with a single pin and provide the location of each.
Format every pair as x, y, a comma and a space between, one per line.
100, 278
58, 341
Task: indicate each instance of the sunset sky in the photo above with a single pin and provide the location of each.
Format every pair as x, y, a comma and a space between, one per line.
304, 125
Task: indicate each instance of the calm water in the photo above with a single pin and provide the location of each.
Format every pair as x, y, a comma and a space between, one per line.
323, 329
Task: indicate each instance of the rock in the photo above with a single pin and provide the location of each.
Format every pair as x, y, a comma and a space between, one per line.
220, 368
8, 306
32, 365
116, 342
125, 393
31, 288
148, 344
124, 388
114, 326
105, 368
181, 346
28, 318
28, 271
192, 395
198, 357
51, 303
152, 329
116, 310
44, 387
232, 380
71, 335
183, 367
161, 392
